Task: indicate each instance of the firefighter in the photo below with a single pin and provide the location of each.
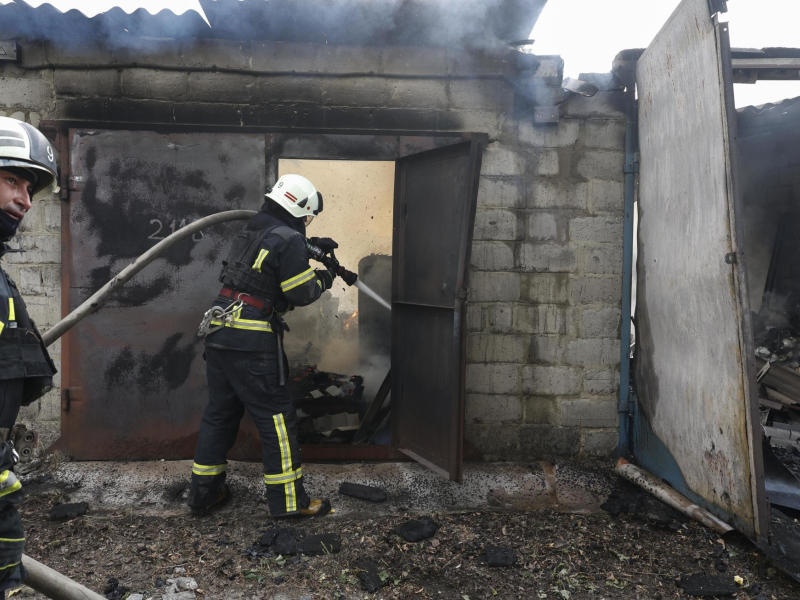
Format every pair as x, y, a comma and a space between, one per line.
28, 172
266, 274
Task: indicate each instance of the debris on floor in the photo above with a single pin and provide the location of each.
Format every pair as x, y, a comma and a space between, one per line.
495, 556
319, 545
64, 512
372, 578
417, 530
627, 498
707, 586
362, 492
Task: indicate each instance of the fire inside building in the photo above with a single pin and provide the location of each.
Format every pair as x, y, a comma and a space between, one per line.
503, 224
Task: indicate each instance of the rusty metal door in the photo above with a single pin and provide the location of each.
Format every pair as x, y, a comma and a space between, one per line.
435, 197
135, 384
696, 421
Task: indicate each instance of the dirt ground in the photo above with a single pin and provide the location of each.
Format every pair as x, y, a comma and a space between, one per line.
560, 556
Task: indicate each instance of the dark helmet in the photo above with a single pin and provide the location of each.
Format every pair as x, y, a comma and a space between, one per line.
24, 146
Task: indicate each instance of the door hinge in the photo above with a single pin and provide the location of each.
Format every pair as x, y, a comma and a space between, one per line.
730, 258
631, 167
66, 400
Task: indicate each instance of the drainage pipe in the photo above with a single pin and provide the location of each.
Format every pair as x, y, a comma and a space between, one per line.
53, 584
94, 302
669, 496
624, 447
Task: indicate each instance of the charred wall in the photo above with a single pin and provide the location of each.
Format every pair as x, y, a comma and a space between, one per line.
545, 283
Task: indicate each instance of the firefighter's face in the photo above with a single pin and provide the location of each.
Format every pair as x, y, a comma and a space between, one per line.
15, 194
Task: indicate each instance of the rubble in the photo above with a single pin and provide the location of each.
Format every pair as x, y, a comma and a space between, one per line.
65, 512
495, 556
318, 545
113, 590
417, 530
372, 578
707, 586
362, 492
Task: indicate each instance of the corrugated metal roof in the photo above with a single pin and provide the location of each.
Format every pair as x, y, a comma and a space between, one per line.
768, 114
468, 23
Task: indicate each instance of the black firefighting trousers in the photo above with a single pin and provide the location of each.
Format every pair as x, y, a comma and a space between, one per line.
12, 538
239, 381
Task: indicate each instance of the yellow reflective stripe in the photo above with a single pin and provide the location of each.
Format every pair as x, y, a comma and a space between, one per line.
292, 283
4, 476
11, 565
208, 469
283, 477
2, 326
286, 460
262, 254
12, 540
8, 483
12, 316
10, 490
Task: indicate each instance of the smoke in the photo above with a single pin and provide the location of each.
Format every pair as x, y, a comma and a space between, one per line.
468, 24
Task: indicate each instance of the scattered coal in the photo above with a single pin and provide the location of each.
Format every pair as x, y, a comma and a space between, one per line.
495, 556
64, 512
274, 541
317, 545
632, 500
362, 492
417, 530
113, 589
706, 586
371, 578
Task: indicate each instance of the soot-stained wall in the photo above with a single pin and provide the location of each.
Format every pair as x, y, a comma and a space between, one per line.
544, 303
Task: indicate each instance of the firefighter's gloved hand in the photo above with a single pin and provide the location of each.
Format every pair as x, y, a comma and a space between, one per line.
326, 277
324, 244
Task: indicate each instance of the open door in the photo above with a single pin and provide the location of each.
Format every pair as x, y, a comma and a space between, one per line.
696, 423
435, 197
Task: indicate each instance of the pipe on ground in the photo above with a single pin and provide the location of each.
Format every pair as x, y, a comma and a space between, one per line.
53, 584
94, 302
669, 496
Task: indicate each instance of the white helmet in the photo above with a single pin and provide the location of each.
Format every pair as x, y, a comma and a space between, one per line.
24, 146
297, 195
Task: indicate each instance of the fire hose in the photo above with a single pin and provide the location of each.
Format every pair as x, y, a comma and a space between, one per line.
40, 577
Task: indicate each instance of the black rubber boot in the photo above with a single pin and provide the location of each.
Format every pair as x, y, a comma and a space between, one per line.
222, 500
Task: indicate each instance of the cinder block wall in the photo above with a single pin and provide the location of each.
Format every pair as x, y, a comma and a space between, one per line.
544, 304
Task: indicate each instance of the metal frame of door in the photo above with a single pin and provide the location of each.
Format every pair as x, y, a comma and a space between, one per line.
280, 143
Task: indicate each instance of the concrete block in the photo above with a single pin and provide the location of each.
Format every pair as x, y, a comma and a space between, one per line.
34, 219
230, 88
477, 94
550, 70
562, 135
52, 217
551, 381
550, 258
544, 227
417, 93
502, 161
481, 121
40, 280
558, 194
277, 57
542, 288
545, 163
545, 441
415, 60
335, 58
599, 230
298, 90
606, 82
542, 410
349, 118
494, 441
39, 248
492, 379
501, 318
540, 319
497, 348
603, 105
481, 408
547, 349
498, 224
19, 116
601, 164
602, 259
44, 311
596, 351
352, 91
27, 92
494, 287
601, 381
34, 118
492, 256
596, 290
601, 322
600, 443
609, 135
96, 82
405, 119
607, 196
482, 62
506, 193
155, 85
475, 318
589, 413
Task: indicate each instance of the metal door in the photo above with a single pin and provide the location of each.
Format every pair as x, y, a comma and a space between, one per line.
435, 198
135, 384
695, 421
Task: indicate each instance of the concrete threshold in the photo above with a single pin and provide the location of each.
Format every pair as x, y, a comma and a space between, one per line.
160, 487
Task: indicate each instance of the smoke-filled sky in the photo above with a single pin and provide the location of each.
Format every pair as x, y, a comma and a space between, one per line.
589, 33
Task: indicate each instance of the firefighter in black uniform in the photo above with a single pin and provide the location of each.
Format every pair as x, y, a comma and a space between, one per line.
266, 274
28, 172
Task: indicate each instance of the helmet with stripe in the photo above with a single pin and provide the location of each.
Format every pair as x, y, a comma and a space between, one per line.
24, 146
297, 195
